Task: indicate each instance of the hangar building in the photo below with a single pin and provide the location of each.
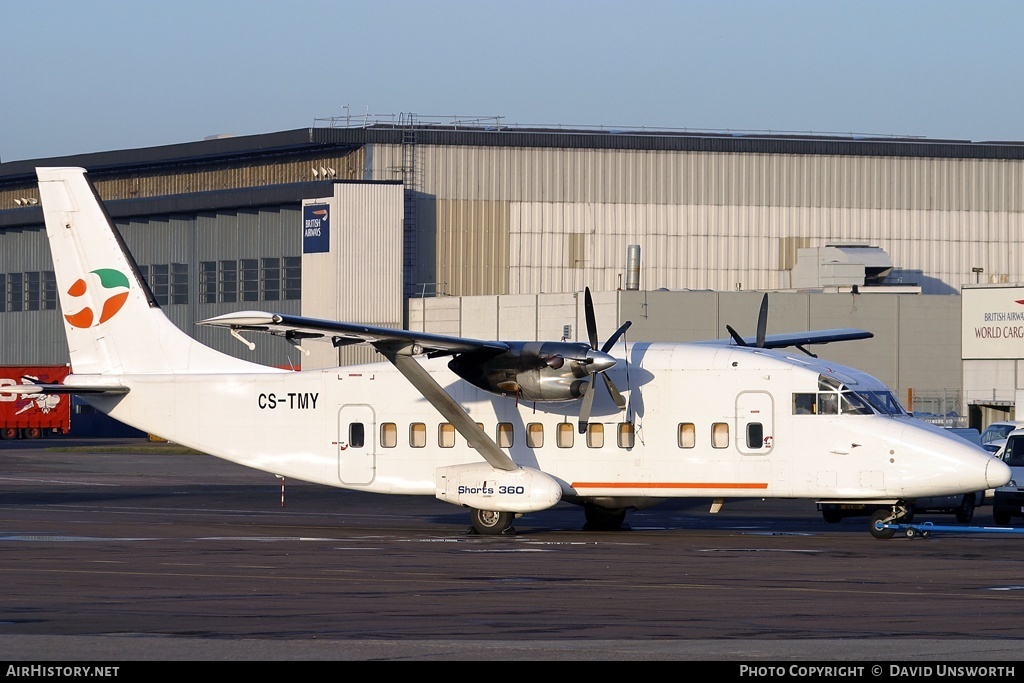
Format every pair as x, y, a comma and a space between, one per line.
481, 229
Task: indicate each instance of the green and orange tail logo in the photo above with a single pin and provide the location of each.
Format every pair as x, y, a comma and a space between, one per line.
115, 285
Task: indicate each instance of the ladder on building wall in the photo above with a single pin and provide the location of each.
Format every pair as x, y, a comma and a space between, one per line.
407, 124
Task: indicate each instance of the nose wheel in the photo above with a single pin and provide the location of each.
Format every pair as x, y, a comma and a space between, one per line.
880, 518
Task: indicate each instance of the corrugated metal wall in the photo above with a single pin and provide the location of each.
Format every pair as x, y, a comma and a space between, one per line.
706, 220
915, 348
37, 337
360, 278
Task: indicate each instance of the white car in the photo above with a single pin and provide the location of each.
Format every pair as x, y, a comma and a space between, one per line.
999, 430
1008, 501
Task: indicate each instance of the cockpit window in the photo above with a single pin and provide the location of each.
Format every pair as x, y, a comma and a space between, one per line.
835, 398
884, 402
852, 403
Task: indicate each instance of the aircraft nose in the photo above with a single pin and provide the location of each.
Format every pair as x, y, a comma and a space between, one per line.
997, 473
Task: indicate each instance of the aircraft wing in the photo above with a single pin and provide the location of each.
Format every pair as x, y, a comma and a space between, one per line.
781, 341
297, 328
398, 346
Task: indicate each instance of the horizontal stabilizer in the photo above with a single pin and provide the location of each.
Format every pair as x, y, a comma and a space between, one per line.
37, 389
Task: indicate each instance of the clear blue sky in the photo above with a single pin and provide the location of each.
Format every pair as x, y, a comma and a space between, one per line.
85, 76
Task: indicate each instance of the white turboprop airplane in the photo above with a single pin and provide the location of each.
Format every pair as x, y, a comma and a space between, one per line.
727, 418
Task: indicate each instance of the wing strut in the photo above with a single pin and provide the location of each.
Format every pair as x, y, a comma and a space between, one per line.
400, 356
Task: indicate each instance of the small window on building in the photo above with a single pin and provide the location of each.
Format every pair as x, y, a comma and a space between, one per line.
249, 279
595, 435
627, 435
755, 435
388, 435
446, 435
179, 283
719, 435
33, 291
159, 282
270, 279
208, 282
564, 435
535, 435
227, 282
356, 435
504, 434
292, 277
49, 291
3, 292
15, 292
417, 435
687, 436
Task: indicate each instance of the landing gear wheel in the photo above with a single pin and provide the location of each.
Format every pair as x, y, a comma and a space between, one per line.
881, 517
832, 516
492, 523
603, 519
965, 513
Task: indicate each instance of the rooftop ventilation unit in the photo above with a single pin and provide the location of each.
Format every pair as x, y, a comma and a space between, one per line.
839, 265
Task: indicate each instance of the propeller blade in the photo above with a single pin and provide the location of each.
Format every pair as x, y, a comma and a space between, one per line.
614, 391
615, 337
588, 306
762, 321
588, 402
735, 336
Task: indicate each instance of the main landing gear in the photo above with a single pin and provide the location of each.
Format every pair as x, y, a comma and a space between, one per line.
492, 523
898, 514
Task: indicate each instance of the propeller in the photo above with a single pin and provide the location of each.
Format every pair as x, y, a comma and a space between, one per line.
598, 362
762, 326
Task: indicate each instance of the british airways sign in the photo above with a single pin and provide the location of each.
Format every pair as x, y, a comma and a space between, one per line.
316, 228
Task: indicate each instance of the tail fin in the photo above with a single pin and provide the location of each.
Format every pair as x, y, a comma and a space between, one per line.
113, 323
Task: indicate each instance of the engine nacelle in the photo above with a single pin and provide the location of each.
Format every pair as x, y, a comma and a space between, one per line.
480, 486
534, 371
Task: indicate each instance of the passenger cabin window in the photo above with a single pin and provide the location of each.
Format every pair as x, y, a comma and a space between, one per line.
470, 443
446, 435
719, 435
564, 435
417, 435
356, 435
388, 435
687, 435
535, 435
627, 435
504, 434
595, 435
755, 435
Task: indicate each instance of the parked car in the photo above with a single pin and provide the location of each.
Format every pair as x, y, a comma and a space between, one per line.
961, 505
1008, 501
999, 430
